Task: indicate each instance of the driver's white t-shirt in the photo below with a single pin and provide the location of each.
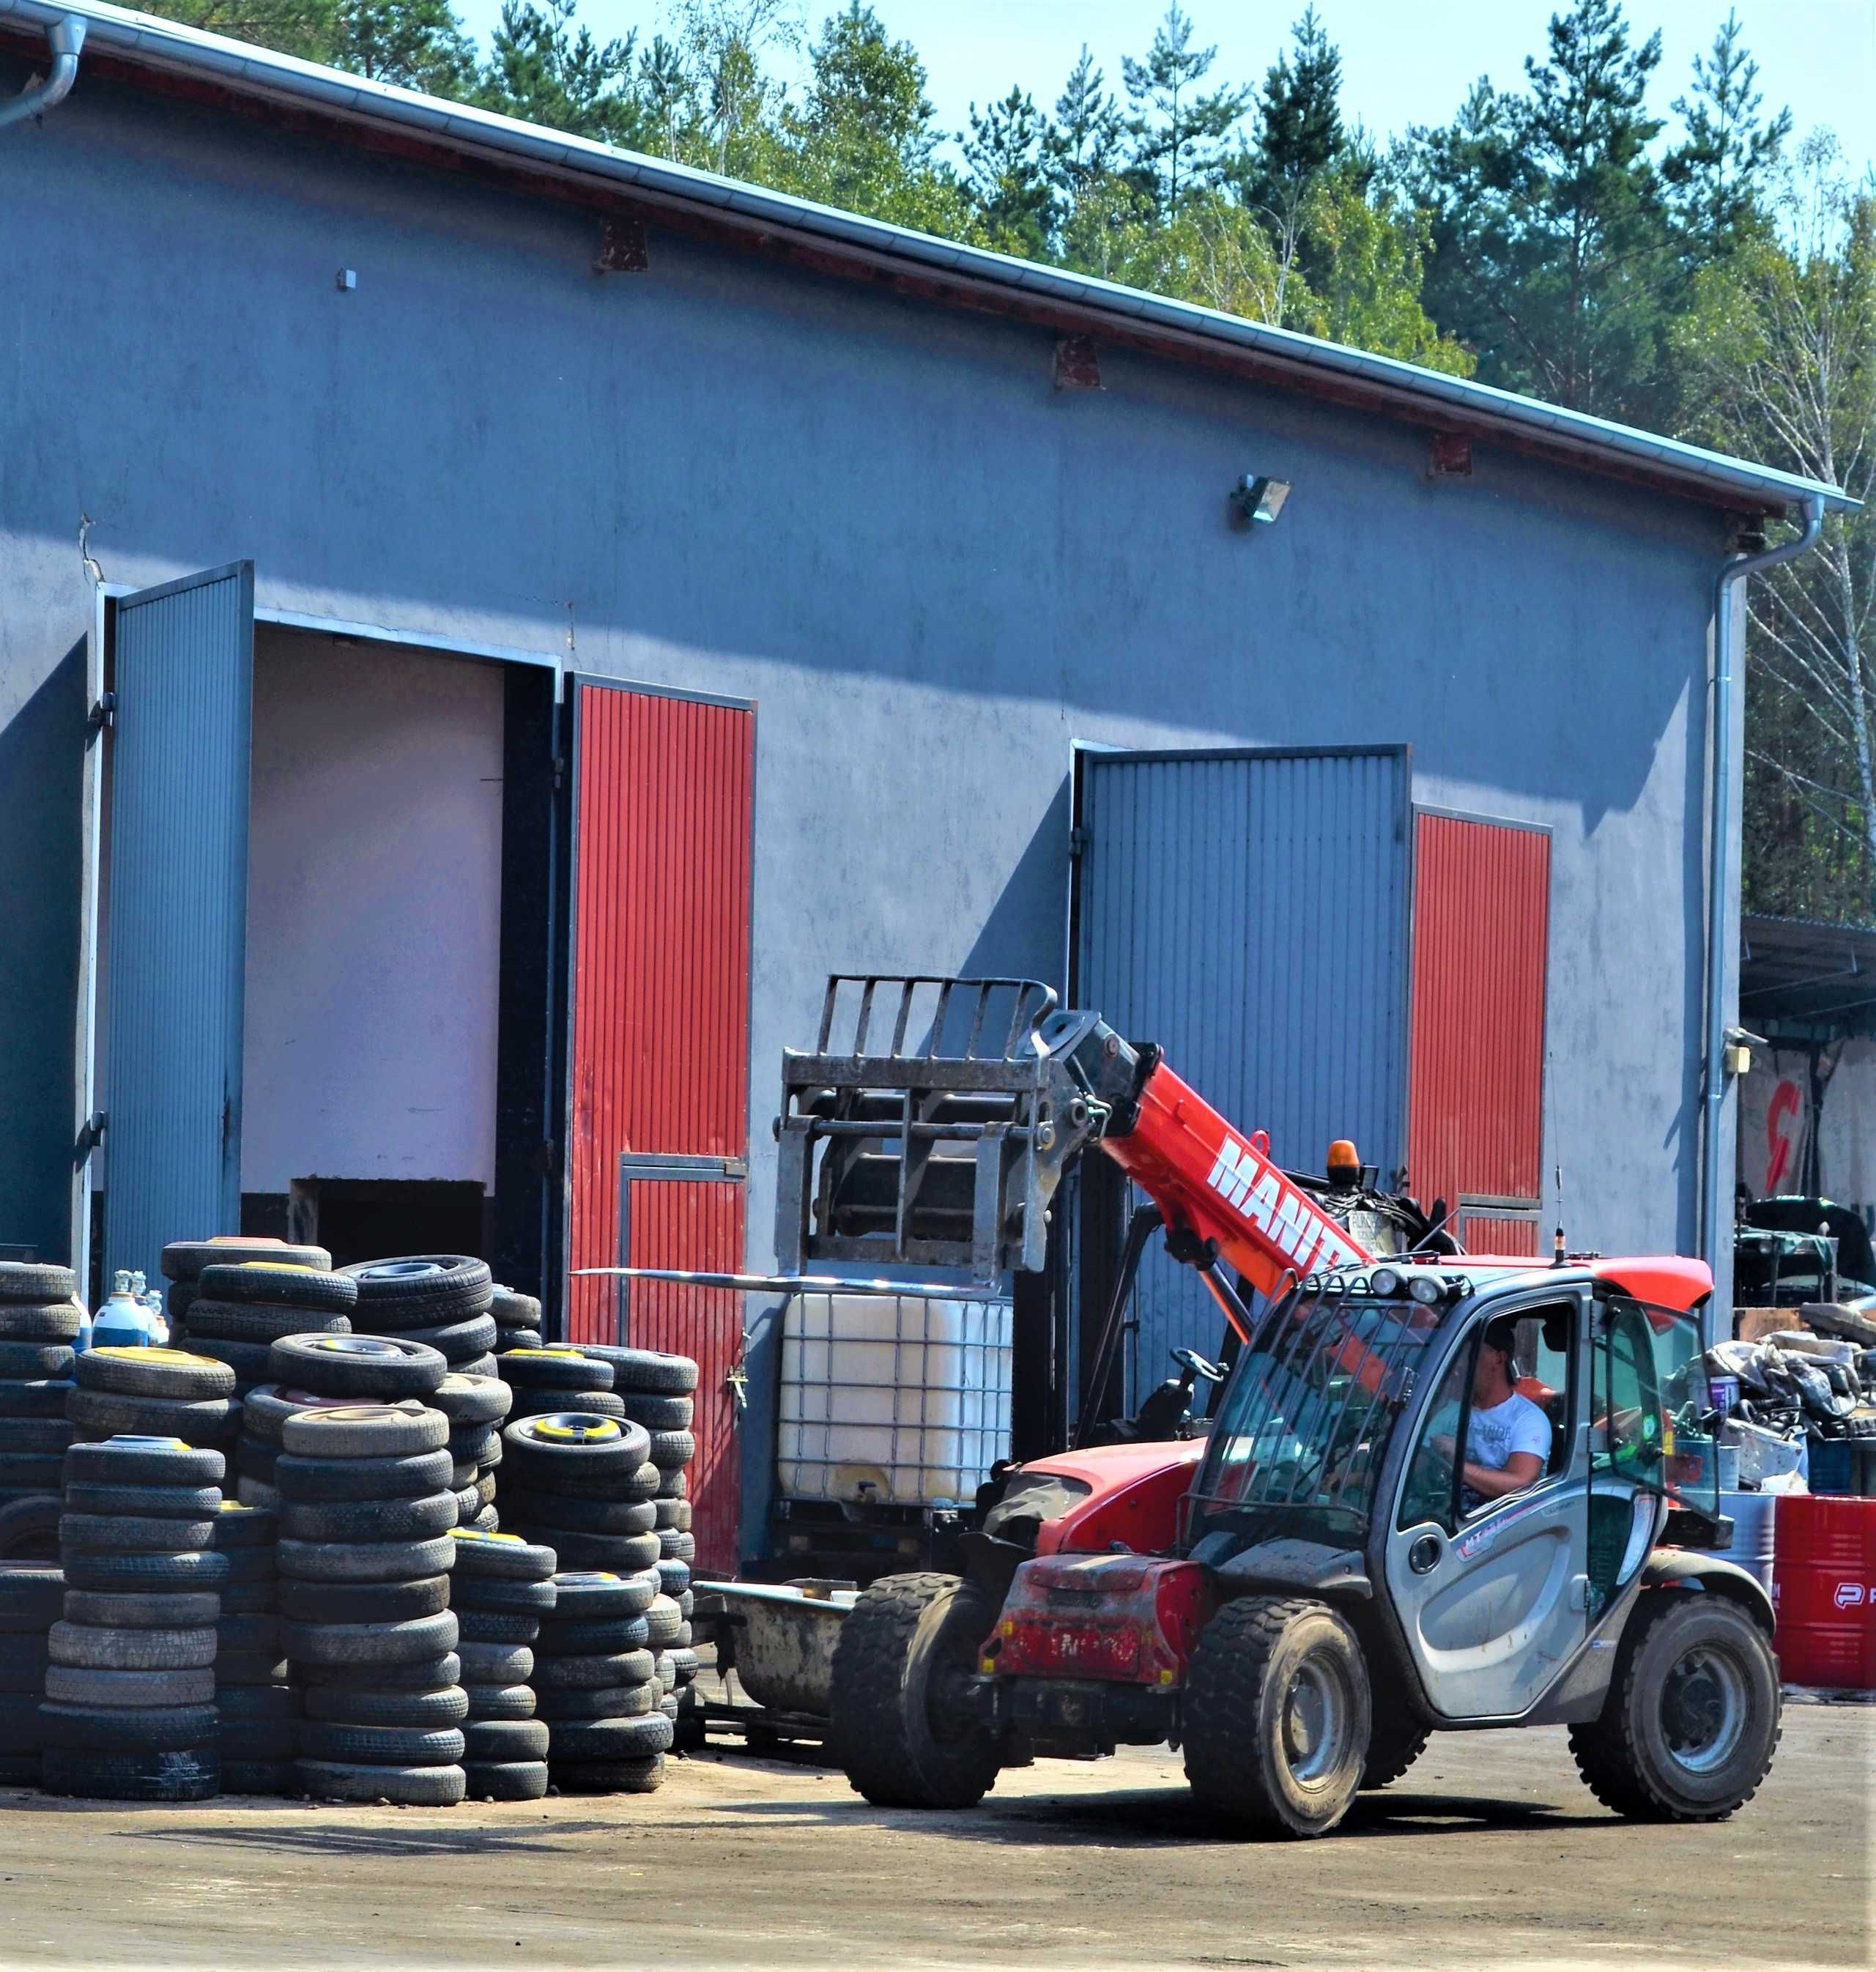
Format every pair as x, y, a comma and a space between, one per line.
1517, 1424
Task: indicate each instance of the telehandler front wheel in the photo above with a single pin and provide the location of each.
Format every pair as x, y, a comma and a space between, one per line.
1278, 1712
901, 1726
1691, 1722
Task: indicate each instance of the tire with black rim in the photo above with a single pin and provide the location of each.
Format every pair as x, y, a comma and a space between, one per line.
567, 1449
276, 1283
1691, 1720
420, 1289
1278, 1716
901, 1727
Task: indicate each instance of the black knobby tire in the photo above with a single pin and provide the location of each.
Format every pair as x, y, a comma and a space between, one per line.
1393, 1748
1691, 1720
238, 1526
179, 1609
66, 1684
36, 1281
30, 1593
591, 1672
221, 1321
1278, 1714
899, 1729
496, 1663
533, 1599
275, 1284
585, 1594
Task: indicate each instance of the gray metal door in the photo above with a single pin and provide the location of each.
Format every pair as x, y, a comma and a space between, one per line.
183, 684
1247, 909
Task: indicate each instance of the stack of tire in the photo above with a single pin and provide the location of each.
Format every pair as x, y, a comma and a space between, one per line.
658, 1390
439, 1299
476, 1407
517, 1319
129, 1711
31, 1596
265, 1409
365, 1553
39, 1322
163, 1393
580, 1483
502, 1589
242, 1308
558, 1377
259, 1707
183, 1261
597, 1687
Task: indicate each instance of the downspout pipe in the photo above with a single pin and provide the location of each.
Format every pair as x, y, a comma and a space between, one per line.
65, 38
1722, 874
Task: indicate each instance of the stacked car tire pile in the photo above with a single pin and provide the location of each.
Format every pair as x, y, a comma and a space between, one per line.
242, 1308
475, 1406
365, 1553
129, 1711
517, 1319
596, 1678
658, 1391
183, 1261
502, 1590
165, 1393
39, 1322
258, 1706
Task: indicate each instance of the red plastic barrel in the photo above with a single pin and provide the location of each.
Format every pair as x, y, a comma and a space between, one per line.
1826, 1576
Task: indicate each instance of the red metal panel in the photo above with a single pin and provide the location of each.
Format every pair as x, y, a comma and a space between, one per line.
1483, 1232
663, 793
689, 1224
1481, 936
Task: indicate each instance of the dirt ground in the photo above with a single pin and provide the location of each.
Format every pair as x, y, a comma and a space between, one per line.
1489, 1853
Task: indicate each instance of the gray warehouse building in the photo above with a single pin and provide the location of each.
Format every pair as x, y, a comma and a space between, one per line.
491, 623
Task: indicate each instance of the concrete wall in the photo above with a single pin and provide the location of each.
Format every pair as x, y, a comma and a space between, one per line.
878, 520
374, 896
1778, 1118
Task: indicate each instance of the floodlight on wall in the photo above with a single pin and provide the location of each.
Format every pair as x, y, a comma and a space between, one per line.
1259, 499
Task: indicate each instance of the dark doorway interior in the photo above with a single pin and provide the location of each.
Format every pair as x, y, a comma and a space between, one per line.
379, 1219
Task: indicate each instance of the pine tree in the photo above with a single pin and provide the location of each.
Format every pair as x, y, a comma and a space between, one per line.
1008, 178
1717, 175
414, 44
540, 70
1178, 133
1299, 131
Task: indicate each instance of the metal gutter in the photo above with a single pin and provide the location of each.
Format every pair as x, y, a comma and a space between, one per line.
1723, 872
64, 36
1405, 388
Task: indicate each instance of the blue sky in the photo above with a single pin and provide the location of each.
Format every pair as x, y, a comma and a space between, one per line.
1819, 56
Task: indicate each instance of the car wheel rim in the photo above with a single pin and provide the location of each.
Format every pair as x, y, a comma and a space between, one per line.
1315, 1727
1704, 1705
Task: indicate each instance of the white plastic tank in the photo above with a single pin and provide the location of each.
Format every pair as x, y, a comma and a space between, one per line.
896, 1399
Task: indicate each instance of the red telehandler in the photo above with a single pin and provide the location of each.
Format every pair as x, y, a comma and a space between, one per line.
1299, 1590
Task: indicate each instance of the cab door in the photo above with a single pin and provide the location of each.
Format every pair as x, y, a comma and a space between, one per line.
1494, 1600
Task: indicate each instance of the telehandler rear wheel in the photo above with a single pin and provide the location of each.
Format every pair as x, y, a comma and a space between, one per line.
1392, 1750
902, 1728
1277, 1715
1691, 1722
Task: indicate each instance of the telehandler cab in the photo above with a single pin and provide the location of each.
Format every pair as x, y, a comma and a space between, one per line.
1299, 1591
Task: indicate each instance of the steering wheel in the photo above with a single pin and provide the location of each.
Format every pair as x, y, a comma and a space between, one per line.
1190, 1358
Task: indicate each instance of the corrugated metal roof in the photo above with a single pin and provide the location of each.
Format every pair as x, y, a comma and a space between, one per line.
1379, 382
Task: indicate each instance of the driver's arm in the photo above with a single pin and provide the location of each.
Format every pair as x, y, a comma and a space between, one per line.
1521, 1469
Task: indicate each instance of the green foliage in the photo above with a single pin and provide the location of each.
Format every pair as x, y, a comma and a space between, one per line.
1717, 176
1008, 176
540, 67
414, 44
1179, 131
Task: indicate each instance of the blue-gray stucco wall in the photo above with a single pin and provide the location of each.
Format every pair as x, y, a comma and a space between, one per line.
874, 517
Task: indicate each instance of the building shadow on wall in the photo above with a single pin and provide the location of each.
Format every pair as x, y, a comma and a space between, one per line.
1024, 935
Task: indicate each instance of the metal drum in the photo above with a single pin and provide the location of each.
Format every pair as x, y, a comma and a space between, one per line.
1827, 1592
1754, 1519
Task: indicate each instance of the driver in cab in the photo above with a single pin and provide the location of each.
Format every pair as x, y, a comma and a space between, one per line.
1508, 1438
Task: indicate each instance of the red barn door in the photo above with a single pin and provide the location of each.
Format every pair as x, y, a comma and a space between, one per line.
1475, 1099
663, 800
